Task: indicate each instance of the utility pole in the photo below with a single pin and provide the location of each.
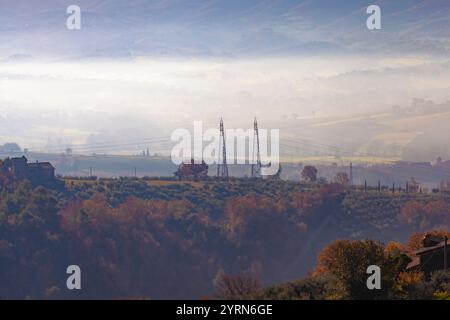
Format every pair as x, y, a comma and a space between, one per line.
222, 167
256, 169
379, 186
365, 185
445, 253
351, 174
90, 171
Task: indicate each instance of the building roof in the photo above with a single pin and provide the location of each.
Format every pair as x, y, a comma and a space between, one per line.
428, 249
414, 263
19, 158
46, 165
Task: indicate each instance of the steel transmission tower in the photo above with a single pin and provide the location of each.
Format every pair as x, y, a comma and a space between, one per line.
256, 168
222, 167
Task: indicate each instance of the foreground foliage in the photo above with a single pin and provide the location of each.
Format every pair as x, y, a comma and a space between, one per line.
141, 238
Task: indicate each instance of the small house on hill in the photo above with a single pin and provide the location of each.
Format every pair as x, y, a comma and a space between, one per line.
37, 173
432, 257
192, 171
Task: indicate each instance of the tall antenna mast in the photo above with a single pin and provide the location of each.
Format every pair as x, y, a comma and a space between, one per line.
222, 167
256, 169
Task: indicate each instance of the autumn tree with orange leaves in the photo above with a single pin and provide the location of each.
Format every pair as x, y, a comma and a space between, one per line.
348, 261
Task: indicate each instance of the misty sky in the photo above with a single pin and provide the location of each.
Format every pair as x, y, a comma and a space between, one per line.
138, 69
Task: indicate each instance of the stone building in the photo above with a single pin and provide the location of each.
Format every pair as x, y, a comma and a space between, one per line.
36, 173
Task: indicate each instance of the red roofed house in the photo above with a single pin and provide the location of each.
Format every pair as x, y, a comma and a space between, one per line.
192, 171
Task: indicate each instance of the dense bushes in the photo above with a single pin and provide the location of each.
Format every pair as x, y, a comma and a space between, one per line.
341, 274
323, 287
168, 239
139, 246
434, 214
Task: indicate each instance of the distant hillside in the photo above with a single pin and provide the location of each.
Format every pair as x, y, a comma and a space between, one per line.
413, 134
